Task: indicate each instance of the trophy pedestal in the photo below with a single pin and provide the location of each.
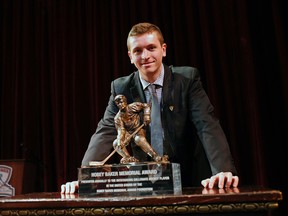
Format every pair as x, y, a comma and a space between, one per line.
130, 179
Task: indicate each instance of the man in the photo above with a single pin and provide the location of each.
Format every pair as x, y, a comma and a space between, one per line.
193, 136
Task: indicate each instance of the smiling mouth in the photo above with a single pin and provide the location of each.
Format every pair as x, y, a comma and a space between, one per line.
147, 63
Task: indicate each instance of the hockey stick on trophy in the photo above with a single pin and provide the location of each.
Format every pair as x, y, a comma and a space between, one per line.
126, 142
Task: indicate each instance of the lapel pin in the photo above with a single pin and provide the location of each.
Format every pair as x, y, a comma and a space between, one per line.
171, 108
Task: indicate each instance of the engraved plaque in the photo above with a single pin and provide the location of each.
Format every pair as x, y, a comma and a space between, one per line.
130, 179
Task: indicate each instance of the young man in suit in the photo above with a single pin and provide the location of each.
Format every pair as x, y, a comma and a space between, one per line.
192, 136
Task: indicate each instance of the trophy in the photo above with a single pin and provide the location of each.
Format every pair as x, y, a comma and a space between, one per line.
130, 176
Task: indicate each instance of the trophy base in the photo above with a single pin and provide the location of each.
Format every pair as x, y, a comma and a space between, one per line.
130, 179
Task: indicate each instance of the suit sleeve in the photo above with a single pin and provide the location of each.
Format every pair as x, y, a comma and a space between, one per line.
209, 130
101, 141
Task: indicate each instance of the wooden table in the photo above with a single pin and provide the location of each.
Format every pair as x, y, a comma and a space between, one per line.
242, 200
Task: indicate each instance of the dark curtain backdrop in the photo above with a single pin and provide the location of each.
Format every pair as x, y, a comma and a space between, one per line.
59, 57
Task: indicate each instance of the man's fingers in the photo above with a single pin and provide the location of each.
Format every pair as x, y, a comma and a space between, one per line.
62, 188
205, 182
212, 181
72, 188
229, 179
235, 181
221, 180
69, 187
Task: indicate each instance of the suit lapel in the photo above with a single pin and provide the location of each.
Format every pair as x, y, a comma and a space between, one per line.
168, 110
168, 90
136, 89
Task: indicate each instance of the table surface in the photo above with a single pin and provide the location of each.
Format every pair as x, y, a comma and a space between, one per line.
193, 196
192, 201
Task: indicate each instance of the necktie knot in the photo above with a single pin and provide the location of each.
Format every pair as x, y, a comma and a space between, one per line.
152, 89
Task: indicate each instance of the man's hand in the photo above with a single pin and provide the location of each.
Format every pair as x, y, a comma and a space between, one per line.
69, 187
223, 179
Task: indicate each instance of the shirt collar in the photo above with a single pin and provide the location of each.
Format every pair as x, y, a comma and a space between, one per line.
158, 81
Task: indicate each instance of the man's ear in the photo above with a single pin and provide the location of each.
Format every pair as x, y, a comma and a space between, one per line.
164, 47
129, 54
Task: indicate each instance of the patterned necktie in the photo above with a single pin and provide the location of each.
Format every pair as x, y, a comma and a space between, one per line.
156, 125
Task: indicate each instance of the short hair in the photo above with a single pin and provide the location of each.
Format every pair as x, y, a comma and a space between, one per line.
119, 97
142, 28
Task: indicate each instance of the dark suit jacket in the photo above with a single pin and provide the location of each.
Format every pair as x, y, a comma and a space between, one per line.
193, 136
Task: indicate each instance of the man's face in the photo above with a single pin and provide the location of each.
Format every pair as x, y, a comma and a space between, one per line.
146, 53
121, 103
